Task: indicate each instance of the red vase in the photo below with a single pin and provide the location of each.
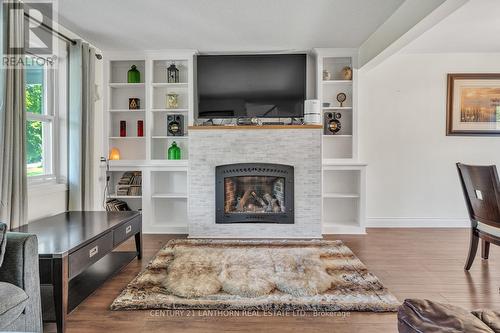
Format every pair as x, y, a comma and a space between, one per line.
140, 128
123, 128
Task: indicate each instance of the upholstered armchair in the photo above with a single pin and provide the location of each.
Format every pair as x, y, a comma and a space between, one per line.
20, 305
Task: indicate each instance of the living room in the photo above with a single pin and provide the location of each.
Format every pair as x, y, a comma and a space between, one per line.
223, 166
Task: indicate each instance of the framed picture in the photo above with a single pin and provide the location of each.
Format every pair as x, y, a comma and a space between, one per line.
473, 105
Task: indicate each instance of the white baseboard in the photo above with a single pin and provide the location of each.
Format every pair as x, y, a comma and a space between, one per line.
411, 222
343, 230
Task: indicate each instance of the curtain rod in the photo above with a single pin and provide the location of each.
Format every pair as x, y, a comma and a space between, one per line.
58, 34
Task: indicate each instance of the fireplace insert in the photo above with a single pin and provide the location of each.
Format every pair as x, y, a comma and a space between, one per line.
254, 193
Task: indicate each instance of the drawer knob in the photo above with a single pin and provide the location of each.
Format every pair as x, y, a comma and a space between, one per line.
128, 229
93, 251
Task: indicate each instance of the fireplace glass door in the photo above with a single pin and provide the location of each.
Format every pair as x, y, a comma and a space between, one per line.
254, 193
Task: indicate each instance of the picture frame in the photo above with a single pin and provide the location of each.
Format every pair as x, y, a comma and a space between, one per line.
473, 104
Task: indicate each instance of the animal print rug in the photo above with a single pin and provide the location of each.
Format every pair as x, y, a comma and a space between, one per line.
256, 275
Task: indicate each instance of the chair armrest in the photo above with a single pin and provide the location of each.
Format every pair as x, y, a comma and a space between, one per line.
20, 267
21, 248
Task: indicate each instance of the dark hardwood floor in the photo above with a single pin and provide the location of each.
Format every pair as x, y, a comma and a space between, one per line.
412, 263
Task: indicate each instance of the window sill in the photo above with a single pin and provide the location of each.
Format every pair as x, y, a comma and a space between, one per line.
48, 187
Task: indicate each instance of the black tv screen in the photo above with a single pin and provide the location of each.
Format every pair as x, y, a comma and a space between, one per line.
233, 86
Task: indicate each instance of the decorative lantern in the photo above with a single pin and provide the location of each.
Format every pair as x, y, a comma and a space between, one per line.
134, 103
172, 74
114, 154
133, 75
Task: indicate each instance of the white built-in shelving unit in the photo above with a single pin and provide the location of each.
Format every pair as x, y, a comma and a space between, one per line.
164, 182
343, 175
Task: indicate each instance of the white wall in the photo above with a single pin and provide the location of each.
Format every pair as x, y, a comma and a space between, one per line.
46, 201
412, 180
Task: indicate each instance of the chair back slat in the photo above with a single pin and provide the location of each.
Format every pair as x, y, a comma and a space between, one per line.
481, 191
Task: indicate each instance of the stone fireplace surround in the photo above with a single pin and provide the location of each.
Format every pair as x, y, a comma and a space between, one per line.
297, 146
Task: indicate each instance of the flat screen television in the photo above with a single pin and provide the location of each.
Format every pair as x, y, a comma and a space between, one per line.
251, 86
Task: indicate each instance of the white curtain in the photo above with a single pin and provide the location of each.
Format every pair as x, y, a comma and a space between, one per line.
82, 99
13, 179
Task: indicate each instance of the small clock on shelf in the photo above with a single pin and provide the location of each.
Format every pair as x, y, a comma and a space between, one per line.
341, 98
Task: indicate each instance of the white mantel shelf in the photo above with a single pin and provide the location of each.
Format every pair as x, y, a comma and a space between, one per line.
254, 127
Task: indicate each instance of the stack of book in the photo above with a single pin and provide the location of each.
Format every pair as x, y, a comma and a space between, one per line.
115, 205
130, 184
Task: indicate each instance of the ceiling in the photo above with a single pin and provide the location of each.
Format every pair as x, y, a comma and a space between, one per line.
224, 25
474, 27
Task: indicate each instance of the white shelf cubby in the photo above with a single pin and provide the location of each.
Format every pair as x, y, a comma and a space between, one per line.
343, 194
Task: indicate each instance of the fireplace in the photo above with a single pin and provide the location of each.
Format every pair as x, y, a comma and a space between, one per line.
254, 193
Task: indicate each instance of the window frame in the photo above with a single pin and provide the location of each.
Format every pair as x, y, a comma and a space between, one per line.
50, 120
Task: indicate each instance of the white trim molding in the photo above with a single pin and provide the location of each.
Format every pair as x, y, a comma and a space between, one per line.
417, 222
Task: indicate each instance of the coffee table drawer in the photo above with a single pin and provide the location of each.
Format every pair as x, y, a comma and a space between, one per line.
89, 254
126, 230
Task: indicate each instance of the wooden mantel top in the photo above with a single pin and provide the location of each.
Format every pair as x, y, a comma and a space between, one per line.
250, 127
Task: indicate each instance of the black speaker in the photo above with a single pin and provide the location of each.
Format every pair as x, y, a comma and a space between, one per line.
332, 123
175, 125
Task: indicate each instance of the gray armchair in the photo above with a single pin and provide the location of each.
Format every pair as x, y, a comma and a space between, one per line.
20, 305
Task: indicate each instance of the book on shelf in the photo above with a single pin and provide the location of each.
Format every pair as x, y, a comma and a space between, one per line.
128, 190
129, 184
115, 205
131, 178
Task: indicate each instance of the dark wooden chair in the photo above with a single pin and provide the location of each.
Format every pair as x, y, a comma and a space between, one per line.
481, 189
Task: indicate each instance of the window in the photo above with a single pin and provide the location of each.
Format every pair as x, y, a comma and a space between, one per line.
39, 121
46, 116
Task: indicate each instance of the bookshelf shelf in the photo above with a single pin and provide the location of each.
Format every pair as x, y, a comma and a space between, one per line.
345, 82
170, 110
127, 110
337, 108
126, 137
126, 85
113, 196
172, 85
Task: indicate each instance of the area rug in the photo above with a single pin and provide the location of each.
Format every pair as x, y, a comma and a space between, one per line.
256, 275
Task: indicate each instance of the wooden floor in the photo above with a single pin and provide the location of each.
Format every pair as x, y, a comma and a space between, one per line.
412, 263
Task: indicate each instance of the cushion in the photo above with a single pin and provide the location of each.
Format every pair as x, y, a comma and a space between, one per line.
3, 241
490, 318
418, 316
12, 303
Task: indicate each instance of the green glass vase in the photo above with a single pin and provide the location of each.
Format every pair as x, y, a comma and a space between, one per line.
133, 75
174, 152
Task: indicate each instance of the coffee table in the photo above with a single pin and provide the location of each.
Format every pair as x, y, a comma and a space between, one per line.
76, 255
